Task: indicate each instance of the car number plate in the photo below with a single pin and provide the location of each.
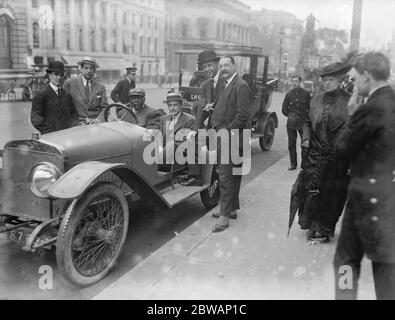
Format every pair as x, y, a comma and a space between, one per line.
22, 235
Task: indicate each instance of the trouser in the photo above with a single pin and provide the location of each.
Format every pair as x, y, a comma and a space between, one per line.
347, 266
292, 137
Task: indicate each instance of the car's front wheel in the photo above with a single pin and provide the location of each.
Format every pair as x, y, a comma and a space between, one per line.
92, 234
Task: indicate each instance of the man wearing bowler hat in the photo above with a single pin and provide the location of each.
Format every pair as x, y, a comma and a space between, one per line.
53, 108
89, 96
120, 93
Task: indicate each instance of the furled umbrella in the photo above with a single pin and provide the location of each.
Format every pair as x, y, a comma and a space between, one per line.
297, 199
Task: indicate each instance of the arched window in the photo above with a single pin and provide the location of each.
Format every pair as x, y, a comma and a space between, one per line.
36, 35
184, 29
203, 24
5, 48
93, 40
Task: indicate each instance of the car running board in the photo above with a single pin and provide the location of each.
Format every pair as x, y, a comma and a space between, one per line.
180, 192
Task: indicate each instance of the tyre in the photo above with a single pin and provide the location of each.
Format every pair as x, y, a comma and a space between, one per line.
266, 141
210, 197
92, 234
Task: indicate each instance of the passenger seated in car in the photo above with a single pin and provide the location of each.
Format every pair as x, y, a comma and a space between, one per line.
147, 117
172, 123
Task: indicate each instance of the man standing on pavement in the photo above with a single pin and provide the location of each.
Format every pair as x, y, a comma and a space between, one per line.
89, 96
120, 93
295, 107
53, 108
231, 113
368, 142
208, 60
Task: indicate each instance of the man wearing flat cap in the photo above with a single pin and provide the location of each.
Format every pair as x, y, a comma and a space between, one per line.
146, 116
53, 108
120, 93
89, 96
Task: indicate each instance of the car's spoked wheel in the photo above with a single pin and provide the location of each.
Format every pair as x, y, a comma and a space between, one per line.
92, 234
266, 141
210, 196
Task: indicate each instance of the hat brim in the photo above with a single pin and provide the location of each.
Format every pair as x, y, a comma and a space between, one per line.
209, 60
88, 62
174, 99
336, 72
55, 70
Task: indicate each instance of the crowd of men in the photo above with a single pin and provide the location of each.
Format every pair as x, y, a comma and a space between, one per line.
367, 141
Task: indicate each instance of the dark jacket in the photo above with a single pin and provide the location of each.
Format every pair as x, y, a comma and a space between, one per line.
368, 141
296, 106
147, 117
208, 96
233, 107
120, 93
51, 112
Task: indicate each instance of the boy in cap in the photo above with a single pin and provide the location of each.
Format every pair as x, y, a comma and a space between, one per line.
89, 96
53, 108
120, 93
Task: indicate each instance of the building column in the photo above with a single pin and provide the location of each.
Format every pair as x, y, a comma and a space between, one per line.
119, 31
109, 24
58, 22
98, 43
72, 24
85, 26
29, 23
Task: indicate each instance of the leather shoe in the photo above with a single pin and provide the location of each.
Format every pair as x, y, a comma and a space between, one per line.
233, 215
292, 168
222, 224
192, 181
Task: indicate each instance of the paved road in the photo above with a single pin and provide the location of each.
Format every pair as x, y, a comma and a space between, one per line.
149, 228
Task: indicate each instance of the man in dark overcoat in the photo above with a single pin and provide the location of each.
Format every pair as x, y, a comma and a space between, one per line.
120, 93
231, 113
368, 142
53, 108
296, 106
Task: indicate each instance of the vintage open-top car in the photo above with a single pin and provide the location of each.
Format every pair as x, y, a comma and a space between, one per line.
70, 189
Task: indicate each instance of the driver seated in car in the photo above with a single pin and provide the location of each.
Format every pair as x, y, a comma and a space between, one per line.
174, 125
146, 116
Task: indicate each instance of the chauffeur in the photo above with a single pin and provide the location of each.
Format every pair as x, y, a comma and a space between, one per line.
120, 93
295, 107
89, 96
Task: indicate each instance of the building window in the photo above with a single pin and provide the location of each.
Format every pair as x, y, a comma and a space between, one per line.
156, 46
141, 45
141, 21
133, 43
80, 9
149, 46
219, 29
93, 40
202, 27
114, 41
133, 19
125, 42
92, 8
67, 5
36, 35
81, 40
103, 40
34, 3
115, 13
103, 11
184, 29
125, 18
156, 23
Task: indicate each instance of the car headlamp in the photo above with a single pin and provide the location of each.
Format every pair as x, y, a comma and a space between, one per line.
42, 177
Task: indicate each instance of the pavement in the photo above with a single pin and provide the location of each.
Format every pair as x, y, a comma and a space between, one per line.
252, 260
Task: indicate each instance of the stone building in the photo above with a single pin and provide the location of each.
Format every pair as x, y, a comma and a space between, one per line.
13, 37
200, 24
117, 33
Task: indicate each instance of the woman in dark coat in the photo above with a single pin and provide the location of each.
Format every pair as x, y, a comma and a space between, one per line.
324, 178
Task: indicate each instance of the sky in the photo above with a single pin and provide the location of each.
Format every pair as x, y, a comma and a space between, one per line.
378, 16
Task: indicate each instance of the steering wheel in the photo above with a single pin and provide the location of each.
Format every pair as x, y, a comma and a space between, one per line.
118, 106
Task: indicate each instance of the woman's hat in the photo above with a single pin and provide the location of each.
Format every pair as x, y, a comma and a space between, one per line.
334, 69
55, 66
88, 60
207, 56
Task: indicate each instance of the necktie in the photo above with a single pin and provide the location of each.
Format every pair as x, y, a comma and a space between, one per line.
172, 124
212, 89
87, 92
59, 91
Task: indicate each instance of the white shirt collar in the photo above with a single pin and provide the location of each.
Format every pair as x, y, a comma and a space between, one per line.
176, 118
215, 79
84, 81
55, 88
229, 81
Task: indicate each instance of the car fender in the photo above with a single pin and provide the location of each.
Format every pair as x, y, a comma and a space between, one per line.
77, 180
266, 116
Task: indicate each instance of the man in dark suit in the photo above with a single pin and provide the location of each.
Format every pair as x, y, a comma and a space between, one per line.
296, 106
120, 93
89, 96
368, 143
53, 108
231, 113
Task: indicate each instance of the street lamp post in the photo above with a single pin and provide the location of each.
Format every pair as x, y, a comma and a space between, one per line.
281, 33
